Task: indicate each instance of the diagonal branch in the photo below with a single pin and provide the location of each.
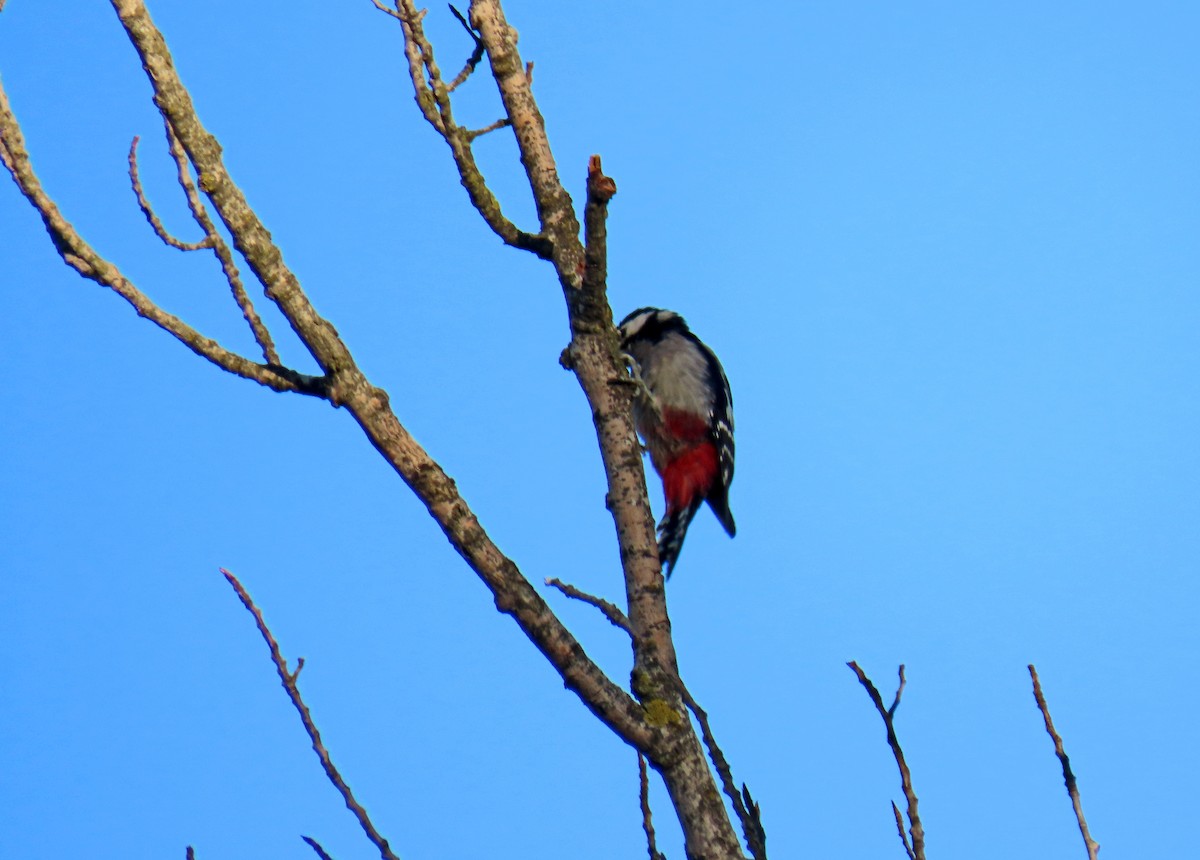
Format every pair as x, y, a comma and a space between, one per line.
747, 811
611, 611
288, 679
1093, 847
250, 236
916, 851
370, 407
220, 248
316, 846
476, 54
81, 257
433, 98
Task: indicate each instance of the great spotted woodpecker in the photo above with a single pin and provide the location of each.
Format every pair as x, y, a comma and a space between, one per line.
684, 414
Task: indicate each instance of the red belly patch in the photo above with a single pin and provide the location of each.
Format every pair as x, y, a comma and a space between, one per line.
690, 476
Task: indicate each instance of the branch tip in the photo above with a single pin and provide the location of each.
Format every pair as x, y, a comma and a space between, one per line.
1093, 847
611, 611
289, 685
316, 846
647, 822
916, 831
601, 188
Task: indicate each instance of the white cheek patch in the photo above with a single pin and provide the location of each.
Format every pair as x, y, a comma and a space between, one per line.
635, 325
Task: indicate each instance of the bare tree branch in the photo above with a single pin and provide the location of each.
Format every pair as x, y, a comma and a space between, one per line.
476, 54
656, 723
647, 821
369, 405
81, 257
899, 692
212, 239
433, 98
756, 834
917, 849
316, 846
613, 613
220, 248
752, 830
471, 134
900, 829
288, 679
144, 205
1093, 847
595, 357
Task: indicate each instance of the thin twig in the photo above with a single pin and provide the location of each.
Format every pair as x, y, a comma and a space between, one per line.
316, 846
747, 811
433, 98
476, 54
1093, 847
754, 811
917, 849
899, 693
471, 134
611, 611
220, 248
383, 8
647, 823
288, 679
900, 829
84, 259
144, 204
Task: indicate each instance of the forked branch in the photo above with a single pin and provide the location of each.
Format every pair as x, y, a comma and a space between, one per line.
212, 238
433, 98
85, 260
916, 847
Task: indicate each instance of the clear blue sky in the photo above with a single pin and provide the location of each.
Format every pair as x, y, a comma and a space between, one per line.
948, 254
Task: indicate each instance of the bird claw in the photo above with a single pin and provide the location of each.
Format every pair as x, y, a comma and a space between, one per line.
635, 373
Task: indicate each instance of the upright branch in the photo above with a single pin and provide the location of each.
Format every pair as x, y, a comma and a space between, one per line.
1093, 847
594, 356
916, 847
288, 679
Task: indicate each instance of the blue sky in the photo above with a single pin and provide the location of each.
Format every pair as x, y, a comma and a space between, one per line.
948, 256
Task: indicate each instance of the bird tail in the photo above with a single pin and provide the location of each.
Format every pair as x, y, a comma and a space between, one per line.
672, 529
718, 500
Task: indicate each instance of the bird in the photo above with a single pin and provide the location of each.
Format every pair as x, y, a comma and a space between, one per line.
683, 410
